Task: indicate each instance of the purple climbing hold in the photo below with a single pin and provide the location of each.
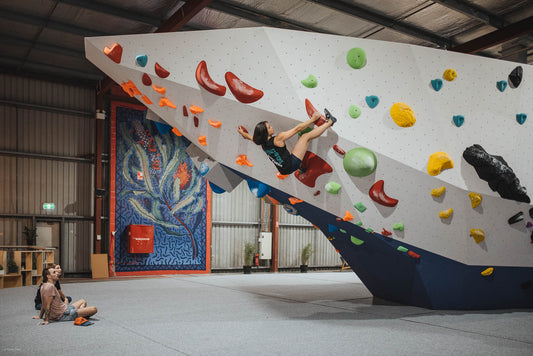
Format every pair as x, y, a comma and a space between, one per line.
529, 224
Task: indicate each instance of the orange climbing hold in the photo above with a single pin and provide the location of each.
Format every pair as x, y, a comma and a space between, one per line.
348, 216
294, 200
413, 255
114, 53
160, 90
166, 102
130, 88
243, 161
202, 140
195, 110
176, 132
146, 100
160, 71
281, 176
215, 124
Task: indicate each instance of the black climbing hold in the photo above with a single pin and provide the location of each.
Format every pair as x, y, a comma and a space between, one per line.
516, 218
531, 213
515, 77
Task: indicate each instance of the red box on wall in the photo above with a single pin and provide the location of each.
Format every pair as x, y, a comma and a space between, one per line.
140, 238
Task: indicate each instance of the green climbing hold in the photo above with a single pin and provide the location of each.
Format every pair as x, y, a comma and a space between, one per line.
359, 162
354, 111
310, 81
369, 230
356, 58
360, 206
343, 231
359, 223
398, 226
402, 249
333, 187
304, 131
356, 241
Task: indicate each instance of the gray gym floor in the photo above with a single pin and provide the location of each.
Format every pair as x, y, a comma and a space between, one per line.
320, 313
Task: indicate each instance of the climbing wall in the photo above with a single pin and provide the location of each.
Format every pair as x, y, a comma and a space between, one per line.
405, 117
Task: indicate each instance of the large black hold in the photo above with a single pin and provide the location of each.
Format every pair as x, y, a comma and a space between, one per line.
515, 77
495, 171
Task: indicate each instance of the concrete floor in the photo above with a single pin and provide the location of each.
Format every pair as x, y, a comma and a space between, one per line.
321, 313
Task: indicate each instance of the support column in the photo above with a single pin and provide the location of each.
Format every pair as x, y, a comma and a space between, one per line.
99, 192
274, 228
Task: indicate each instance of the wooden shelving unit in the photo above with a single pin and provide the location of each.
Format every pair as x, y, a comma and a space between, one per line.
30, 262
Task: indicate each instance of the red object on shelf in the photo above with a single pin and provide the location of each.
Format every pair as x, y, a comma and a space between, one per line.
140, 238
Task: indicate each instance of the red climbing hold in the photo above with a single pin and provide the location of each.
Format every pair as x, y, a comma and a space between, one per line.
242, 128
242, 91
413, 255
339, 150
196, 122
377, 194
185, 112
311, 110
147, 80
160, 71
386, 232
312, 166
114, 53
316, 193
204, 79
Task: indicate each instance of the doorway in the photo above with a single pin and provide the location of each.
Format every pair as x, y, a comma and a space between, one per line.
49, 235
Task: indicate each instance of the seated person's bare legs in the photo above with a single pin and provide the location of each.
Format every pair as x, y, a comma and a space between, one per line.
79, 304
87, 312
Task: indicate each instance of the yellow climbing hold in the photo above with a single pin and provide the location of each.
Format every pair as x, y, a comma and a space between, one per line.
477, 234
437, 192
446, 213
402, 115
475, 199
487, 272
439, 161
449, 74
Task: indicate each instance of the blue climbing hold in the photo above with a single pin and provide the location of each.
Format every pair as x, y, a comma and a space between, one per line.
502, 85
436, 84
162, 127
204, 168
332, 228
258, 188
521, 118
142, 60
372, 101
458, 120
216, 189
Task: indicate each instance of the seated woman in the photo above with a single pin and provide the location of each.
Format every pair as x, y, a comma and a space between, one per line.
274, 145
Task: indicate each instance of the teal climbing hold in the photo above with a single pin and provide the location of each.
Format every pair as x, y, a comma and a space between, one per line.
359, 162
436, 84
354, 111
259, 189
398, 226
360, 206
332, 228
356, 241
458, 120
333, 187
359, 223
310, 81
521, 118
142, 60
356, 58
402, 249
501, 85
372, 101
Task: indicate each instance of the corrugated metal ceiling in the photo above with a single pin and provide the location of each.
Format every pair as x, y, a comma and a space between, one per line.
45, 37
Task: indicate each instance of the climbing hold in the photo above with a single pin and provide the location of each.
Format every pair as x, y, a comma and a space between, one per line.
160, 71
242, 91
243, 128
312, 167
515, 77
488, 271
531, 213
130, 88
202, 140
162, 127
359, 162
360, 206
449, 74
160, 90
372, 101
142, 60
290, 209
337, 219
176, 132
529, 224
316, 193
332, 228
216, 189
437, 192
446, 214
347, 216
146, 80
477, 234
378, 195
166, 102
204, 79
311, 110
501, 85
398, 226
343, 231
185, 112
243, 161
333, 187
294, 200
310, 81
402, 115
385, 232
516, 218
356, 241
281, 176
475, 199
369, 230
204, 168
259, 189
438, 161
436, 84
146, 100
114, 53
196, 121
339, 150
215, 124
521, 118
356, 58
413, 255
304, 131
354, 111
458, 120
195, 109
402, 249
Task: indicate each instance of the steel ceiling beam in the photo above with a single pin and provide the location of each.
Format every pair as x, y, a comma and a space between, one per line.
473, 11
183, 15
497, 37
17, 41
386, 21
